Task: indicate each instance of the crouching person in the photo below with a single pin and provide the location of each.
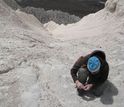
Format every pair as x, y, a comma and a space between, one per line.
90, 72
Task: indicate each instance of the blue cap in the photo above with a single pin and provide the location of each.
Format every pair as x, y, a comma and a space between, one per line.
93, 64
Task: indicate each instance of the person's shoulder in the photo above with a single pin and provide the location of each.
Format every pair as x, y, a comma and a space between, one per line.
107, 65
81, 57
85, 56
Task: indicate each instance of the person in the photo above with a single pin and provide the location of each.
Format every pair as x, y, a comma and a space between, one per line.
90, 72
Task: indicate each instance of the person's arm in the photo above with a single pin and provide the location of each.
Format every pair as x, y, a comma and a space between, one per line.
76, 67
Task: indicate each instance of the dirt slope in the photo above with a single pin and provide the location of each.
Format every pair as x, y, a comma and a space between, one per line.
35, 64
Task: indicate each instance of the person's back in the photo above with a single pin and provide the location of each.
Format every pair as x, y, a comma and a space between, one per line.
90, 71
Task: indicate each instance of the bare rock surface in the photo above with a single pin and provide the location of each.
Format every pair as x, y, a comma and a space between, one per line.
35, 62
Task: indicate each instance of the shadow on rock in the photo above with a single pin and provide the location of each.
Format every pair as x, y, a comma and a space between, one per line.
88, 96
109, 92
105, 92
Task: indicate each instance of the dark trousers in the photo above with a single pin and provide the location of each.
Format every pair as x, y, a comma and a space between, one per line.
83, 77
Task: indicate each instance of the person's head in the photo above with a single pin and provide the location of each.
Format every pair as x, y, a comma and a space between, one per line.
94, 64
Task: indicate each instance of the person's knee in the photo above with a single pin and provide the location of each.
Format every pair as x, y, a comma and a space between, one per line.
82, 75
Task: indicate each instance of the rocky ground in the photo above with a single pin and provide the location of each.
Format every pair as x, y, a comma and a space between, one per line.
35, 59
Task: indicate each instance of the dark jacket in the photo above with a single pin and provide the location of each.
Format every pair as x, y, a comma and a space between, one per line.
95, 79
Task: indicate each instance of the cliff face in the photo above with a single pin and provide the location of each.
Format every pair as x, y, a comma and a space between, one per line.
77, 7
35, 64
43, 15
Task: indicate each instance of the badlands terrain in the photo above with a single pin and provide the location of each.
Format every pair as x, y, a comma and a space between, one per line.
36, 58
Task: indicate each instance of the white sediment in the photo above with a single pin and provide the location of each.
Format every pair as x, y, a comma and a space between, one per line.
35, 61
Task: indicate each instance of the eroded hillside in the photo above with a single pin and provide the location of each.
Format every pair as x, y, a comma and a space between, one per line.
35, 62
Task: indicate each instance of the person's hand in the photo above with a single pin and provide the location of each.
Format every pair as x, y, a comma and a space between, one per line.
79, 85
87, 87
